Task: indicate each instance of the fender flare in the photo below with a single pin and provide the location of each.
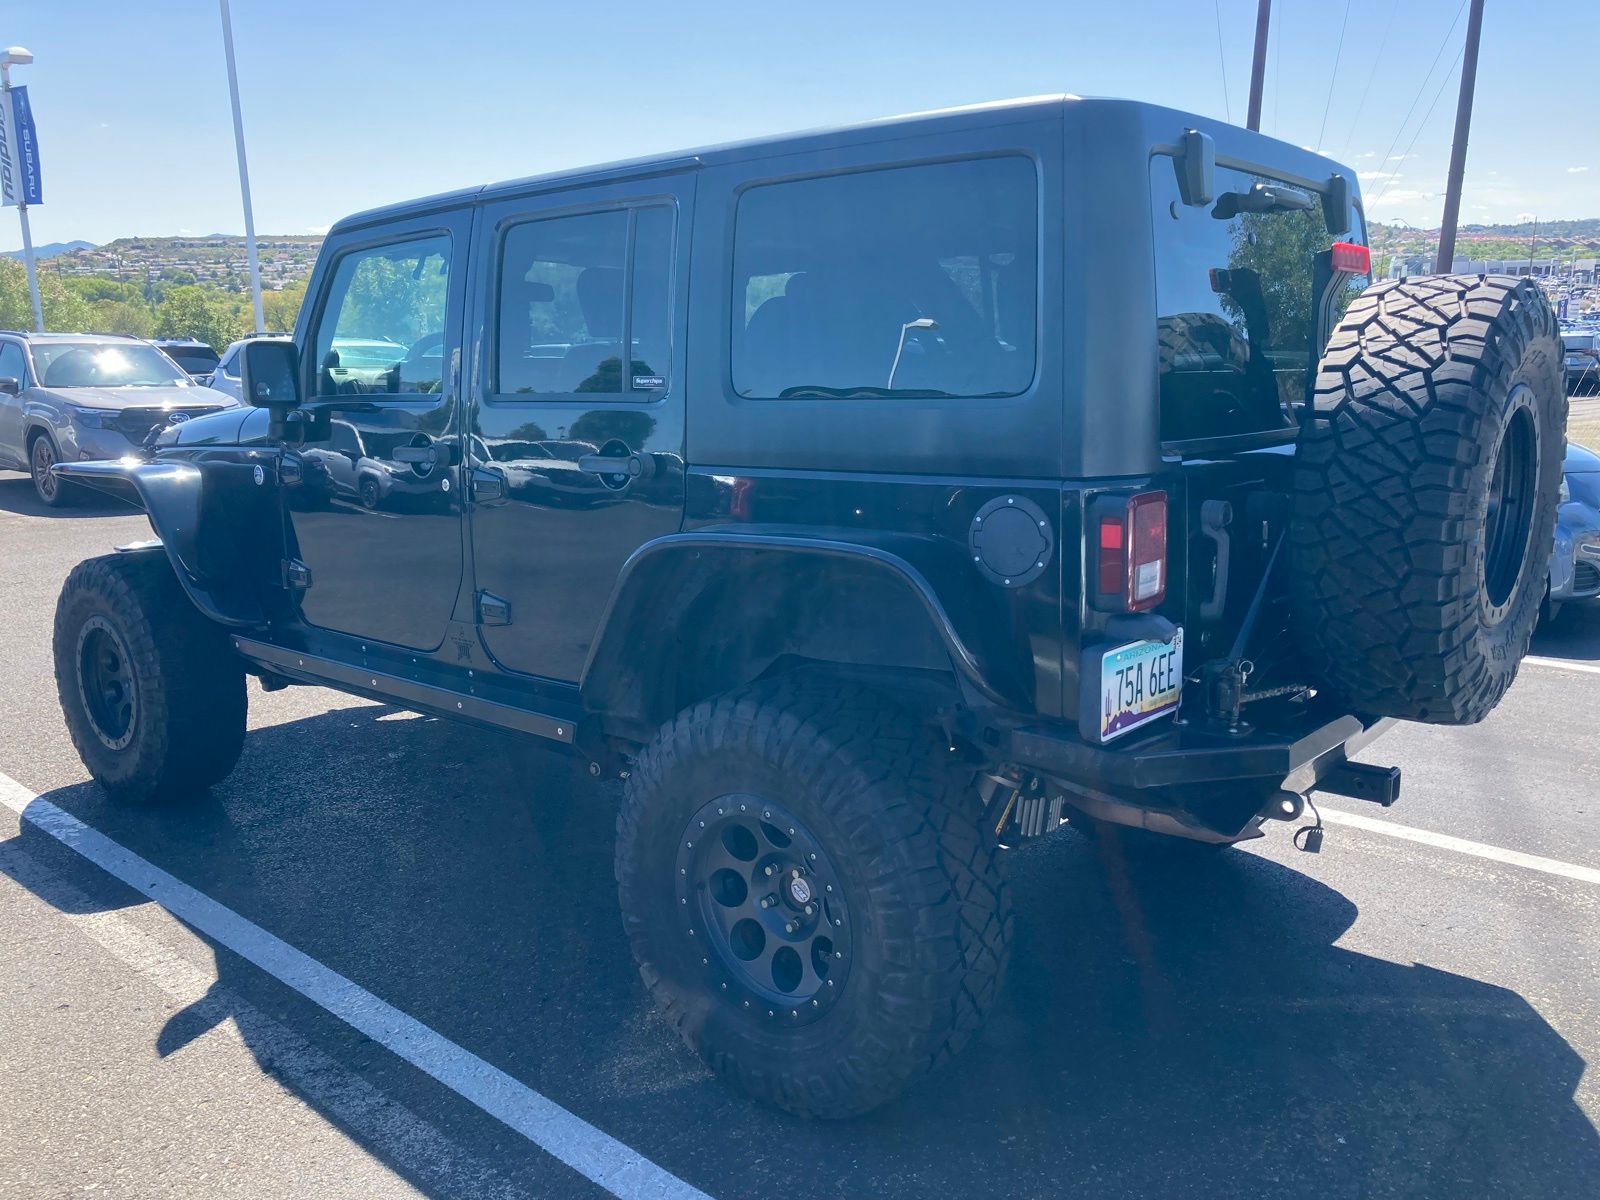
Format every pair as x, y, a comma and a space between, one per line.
171, 494
976, 649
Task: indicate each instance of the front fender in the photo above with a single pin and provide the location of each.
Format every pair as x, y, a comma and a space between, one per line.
961, 614
184, 500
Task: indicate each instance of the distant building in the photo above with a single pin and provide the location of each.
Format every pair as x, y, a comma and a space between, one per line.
1512, 266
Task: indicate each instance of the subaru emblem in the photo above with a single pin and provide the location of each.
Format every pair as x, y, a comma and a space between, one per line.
177, 418
260, 475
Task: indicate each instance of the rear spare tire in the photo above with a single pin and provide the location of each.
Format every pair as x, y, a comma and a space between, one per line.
1427, 475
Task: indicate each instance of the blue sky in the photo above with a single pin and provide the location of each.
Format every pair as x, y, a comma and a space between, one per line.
351, 103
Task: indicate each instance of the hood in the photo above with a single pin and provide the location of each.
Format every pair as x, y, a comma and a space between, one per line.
139, 397
1580, 459
235, 427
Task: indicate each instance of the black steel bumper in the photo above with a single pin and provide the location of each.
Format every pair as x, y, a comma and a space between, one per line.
1293, 750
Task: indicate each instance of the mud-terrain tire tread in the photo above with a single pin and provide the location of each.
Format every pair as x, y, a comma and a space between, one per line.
941, 904
1391, 468
191, 688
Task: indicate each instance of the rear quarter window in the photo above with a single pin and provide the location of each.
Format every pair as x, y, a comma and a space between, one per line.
902, 281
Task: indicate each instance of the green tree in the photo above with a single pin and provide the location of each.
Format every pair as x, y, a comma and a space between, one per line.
64, 310
123, 316
102, 287
199, 312
281, 309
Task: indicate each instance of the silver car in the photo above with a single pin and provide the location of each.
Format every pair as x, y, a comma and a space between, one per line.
226, 376
1575, 565
66, 397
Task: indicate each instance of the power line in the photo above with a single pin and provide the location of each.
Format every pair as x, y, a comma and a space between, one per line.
1334, 78
1277, 68
1423, 86
1222, 61
1361, 105
1443, 83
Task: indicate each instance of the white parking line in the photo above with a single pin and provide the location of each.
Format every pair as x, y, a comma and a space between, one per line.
1561, 664
592, 1153
1533, 862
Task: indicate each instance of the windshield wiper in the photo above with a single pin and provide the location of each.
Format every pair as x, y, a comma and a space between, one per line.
1262, 198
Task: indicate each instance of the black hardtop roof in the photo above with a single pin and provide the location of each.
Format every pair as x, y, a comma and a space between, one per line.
1232, 142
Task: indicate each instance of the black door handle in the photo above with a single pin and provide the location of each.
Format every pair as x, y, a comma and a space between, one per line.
487, 484
631, 466
425, 452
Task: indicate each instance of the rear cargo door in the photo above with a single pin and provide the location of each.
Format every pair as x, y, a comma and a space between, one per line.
1238, 332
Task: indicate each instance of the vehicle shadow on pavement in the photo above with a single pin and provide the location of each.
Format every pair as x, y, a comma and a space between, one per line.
1163, 1032
17, 496
1573, 633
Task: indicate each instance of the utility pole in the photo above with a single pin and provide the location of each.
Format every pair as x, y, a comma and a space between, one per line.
244, 170
1258, 64
1458, 150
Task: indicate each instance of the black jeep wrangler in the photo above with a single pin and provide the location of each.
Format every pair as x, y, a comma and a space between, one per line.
869, 500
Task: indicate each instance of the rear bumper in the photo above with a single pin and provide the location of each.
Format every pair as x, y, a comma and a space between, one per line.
1293, 751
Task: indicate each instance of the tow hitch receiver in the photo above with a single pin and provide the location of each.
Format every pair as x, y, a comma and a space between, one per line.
1362, 781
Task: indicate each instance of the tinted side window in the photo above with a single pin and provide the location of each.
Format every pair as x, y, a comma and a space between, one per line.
914, 281
382, 327
1235, 299
11, 363
573, 291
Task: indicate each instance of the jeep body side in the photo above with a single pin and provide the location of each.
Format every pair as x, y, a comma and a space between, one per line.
586, 477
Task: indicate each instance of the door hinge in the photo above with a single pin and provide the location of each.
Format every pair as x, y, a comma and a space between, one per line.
492, 610
296, 575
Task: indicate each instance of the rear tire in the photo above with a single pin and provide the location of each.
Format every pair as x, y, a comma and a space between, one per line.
885, 829
1426, 481
153, 695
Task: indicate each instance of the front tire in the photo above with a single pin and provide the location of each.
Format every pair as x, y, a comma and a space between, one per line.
841, 927
53, 492
153, 696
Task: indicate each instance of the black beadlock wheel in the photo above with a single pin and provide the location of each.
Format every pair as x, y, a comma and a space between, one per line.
750, 809
1427, 473
770, 901
153, 696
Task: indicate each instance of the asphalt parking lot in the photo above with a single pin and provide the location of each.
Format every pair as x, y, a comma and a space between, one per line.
1390, 1017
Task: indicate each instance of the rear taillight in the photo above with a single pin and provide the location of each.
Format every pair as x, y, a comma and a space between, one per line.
1130, 568
1352, 258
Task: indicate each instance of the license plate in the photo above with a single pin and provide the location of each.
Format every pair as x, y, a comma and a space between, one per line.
1139, 682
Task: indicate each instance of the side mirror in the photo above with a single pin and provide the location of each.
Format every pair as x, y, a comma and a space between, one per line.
270, 374
1197, 168
9, 385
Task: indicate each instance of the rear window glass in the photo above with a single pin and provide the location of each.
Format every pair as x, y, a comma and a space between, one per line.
1235, 304
192, 358
910, 281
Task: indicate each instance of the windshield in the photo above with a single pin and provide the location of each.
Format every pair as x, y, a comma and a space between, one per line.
1236, 300
104, 364
193, 358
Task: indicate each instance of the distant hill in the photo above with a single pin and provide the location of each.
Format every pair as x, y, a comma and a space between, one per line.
216, 259
1562, 240
50, 249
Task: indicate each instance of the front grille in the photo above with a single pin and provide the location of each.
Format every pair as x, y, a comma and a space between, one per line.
135, 423
1585, 577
